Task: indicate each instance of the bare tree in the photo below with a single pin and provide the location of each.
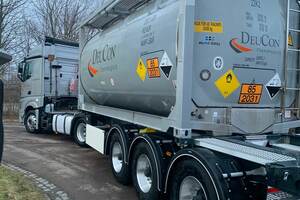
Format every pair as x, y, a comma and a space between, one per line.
58, 18
10, 24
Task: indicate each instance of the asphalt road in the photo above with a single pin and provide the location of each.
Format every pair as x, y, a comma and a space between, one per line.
81, 172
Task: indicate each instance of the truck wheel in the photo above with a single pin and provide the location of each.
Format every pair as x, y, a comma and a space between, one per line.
30, 121
79, 133
117, 155
144, 172
192, 181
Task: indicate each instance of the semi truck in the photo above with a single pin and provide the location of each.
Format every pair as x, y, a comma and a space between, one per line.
190, 99
49, 76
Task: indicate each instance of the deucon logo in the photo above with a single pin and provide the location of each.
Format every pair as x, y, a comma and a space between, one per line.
242, 44
92, 70
239, 48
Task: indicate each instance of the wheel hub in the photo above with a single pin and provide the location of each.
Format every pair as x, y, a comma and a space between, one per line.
31, 122
81, 132
144, 173
117, 157
192, 189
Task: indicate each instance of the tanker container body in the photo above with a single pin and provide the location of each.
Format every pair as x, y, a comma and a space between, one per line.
191, 73
138, 65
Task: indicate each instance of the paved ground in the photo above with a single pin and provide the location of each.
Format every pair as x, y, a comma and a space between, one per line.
80, 172
55, 163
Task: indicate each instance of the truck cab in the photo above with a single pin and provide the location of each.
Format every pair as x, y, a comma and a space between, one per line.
49, 82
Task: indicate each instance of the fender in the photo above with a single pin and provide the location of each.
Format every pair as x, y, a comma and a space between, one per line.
198, 155
32, 104
76, 117
157, 152
124, 140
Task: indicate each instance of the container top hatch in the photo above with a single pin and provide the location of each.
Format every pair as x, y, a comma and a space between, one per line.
112, 11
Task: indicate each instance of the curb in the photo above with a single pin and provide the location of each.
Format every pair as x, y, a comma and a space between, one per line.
51, 191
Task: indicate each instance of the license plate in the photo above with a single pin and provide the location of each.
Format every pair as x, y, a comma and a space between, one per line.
250, 93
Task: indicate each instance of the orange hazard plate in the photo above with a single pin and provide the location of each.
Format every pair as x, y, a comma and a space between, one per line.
153, 68
250, 93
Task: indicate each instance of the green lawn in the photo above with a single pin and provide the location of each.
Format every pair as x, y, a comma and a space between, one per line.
14, 186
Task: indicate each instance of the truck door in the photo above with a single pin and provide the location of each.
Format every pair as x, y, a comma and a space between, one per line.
32, 78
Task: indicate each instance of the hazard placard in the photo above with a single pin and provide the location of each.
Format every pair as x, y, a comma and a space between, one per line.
251, 93
153, 68
208, 26
291, 43
141, 70
227, 84
166, 65
273, 86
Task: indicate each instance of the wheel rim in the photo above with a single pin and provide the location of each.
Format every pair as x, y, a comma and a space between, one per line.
144, 173
192, 189
117, 157
31, 122
81, 132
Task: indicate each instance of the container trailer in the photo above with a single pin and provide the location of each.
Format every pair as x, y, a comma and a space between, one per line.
191, 99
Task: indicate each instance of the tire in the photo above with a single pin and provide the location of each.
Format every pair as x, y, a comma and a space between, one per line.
79, 132
191, 175
206, 182
120, 169
144, 168
30, 121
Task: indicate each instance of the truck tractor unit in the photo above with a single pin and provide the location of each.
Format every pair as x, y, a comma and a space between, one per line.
190, 99
49, 75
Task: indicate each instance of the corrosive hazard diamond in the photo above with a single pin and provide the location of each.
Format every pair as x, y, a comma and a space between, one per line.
141, 70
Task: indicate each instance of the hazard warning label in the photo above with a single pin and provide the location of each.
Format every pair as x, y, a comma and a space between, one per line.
141, 70
227, 84
166, 65
201, 26
153, 68
274, 86
290, 41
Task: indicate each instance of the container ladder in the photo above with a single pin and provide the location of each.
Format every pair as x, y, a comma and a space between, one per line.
287, 68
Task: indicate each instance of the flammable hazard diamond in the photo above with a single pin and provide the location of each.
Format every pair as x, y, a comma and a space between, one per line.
227, 84
141, 70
